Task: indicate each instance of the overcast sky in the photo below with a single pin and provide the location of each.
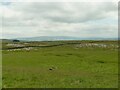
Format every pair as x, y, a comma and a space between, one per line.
78, 19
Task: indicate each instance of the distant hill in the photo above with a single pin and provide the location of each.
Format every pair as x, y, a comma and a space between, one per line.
8, 40
49, 38
5, 40
55, 38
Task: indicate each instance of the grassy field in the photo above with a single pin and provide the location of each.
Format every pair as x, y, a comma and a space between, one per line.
63, 66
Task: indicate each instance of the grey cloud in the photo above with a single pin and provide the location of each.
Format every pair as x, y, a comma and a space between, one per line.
60, 19
82, 12
68, 12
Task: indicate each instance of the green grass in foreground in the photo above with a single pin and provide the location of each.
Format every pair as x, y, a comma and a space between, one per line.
74, 68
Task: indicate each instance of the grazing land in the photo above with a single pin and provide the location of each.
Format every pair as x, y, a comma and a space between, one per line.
60, 64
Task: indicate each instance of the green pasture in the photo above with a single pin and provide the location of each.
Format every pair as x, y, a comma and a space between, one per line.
60, 67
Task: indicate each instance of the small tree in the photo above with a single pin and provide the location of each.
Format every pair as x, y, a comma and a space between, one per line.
16, 41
